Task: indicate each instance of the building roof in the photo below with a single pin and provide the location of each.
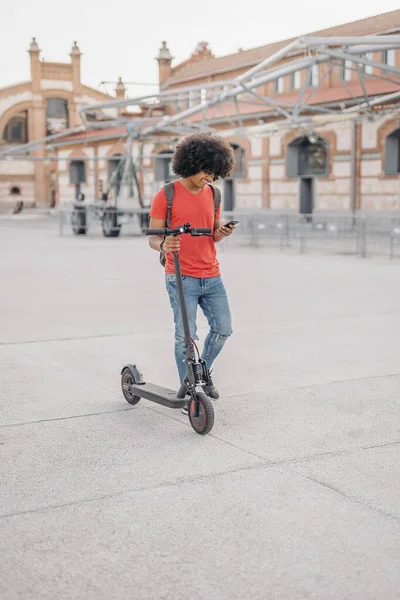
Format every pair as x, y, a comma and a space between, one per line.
247, 58
90, 136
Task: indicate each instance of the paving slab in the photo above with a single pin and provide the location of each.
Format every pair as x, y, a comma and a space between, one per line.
370, 475
75, 459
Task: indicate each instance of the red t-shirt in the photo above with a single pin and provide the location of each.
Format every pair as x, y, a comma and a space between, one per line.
198, 255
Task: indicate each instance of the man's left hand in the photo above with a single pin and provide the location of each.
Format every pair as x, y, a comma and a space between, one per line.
225, 231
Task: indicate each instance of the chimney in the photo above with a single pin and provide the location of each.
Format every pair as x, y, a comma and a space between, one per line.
76, 67
164, 60
120, 89
36, 71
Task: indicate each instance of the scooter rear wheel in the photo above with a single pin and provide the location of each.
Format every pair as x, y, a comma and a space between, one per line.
201, 414
126, 382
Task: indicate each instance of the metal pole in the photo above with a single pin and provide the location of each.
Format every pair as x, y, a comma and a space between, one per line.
189, 347
363, 248
303, 233
165, 95
361, 60
125, 175
391, 242
287, 231
268, 102
371, 103
392, 41
30, 145
271, 59
96, 173
353, 166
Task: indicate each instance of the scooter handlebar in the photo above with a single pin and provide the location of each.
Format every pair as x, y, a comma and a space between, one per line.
155, 231
179, 231
202, 230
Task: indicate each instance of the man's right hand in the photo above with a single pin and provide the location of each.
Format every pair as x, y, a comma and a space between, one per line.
172, 243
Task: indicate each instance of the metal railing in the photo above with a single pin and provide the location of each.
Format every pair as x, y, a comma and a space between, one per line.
345, 233
357, 234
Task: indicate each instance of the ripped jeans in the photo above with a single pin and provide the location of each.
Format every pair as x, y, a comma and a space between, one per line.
211, 295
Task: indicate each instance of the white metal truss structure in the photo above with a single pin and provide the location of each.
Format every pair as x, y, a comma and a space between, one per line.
232, 103
226, 101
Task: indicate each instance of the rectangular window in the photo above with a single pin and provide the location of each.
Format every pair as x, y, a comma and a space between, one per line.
203, 95
279, 85
389, 57
295, 82
314, 76
368, 68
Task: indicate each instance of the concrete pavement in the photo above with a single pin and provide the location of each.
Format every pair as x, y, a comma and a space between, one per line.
294, 494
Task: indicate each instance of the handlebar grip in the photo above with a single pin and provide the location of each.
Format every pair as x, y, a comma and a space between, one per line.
176, 231
154, 231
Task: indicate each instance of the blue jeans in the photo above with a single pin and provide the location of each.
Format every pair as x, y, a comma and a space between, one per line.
211, 295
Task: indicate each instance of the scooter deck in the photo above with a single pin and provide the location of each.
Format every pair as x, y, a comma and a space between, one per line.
158, 394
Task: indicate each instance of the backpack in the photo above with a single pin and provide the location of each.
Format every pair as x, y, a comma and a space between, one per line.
170, 194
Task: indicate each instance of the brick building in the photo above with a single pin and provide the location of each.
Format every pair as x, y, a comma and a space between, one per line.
340, 166
34, 109
358, 171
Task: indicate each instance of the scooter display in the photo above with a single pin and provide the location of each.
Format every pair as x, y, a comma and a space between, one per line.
200, 411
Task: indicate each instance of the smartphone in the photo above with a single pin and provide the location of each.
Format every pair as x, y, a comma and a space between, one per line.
231, 224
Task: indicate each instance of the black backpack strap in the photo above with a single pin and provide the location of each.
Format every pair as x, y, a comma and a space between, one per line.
217, 198
170, 194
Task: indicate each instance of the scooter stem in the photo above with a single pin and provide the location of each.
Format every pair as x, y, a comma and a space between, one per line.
190, 354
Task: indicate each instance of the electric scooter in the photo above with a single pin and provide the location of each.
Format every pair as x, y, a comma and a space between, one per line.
200, 411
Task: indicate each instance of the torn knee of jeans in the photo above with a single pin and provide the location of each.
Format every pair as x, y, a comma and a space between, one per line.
221, 336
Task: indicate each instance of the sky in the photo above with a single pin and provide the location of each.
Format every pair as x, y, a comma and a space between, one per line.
120, 38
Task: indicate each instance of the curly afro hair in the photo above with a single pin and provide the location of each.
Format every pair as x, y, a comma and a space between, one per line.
203, 152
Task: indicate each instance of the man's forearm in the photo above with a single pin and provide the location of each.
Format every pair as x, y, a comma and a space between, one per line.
218, 236
155, 242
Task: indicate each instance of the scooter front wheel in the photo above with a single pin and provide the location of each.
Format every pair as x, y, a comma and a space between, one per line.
201, 414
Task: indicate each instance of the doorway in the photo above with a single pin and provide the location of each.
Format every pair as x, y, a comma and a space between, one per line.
77, 175
306, 195
229, 195
113, 164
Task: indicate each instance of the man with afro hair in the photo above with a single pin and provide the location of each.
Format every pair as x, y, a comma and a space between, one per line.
199, 160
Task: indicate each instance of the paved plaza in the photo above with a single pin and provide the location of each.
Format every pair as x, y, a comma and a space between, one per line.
295, 494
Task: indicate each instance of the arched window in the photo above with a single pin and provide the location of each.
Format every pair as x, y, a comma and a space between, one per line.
16, 130
307, 156
56, 115
15, 191
392, 153
77, 171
